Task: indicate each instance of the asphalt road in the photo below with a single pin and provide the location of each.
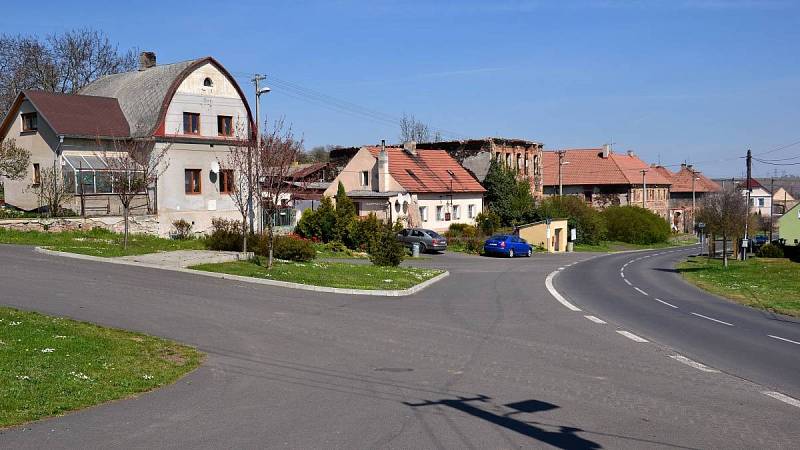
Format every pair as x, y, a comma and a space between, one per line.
643, 292
484, 359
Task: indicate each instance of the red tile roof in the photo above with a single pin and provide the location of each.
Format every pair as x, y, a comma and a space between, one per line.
80, 115
588, 167
430, 171
682, 181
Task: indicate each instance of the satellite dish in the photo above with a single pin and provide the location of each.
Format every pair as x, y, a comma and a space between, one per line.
215, 166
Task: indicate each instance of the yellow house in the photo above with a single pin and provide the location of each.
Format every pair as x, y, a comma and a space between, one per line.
552, 235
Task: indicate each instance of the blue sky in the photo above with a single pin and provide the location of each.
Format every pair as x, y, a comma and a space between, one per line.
699, 81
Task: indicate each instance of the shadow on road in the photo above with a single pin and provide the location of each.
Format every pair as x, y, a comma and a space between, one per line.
565, 437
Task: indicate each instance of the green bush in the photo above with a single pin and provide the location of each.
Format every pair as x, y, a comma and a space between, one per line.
288, 247
456, 230
362, 232
182, 229
488, 221
770, 251
345, 217
386, 250
320, 223
226, 235
507, 195
589, 223
635, 225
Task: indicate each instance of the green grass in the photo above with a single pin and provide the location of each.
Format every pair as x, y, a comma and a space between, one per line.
772, 284
329, 274
326, 251
98, 242
616, 246
50, 365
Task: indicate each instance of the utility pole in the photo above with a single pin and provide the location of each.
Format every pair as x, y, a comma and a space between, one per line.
257, 78
561, 162
771, 208
644, 188
749, 193
694, 203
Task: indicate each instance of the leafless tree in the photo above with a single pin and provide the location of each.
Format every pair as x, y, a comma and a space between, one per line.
280, 151
53, 191
61, 62
14, 160
133, 166
412, 129
725, 214
242, 164
320, 153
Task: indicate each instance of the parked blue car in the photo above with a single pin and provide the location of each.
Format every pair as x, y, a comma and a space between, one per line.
507, 245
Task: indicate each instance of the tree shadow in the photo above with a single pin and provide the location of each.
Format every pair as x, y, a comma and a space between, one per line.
564, 438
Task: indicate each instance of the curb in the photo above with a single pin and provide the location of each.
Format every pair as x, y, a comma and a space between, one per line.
285, 284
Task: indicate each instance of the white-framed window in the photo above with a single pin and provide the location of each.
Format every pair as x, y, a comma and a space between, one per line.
471, 211
423, 213
440, 212
761, 202
456, 212
365, 177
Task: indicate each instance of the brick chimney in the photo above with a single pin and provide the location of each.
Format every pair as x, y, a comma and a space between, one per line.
147, 60
383, 168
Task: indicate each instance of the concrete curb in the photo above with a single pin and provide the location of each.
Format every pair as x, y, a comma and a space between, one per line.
285, 284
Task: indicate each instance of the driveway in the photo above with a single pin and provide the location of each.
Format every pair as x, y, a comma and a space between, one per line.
483, 359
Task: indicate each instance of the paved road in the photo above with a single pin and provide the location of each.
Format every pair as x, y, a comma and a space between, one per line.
643, 292
484, 359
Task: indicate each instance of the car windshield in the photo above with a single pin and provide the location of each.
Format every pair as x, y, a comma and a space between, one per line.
432, 233
499, 237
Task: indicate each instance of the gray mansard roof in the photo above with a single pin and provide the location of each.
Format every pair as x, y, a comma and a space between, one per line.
142, 94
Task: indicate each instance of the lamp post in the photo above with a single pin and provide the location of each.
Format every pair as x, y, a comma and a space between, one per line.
644, 188
250, 209
561, 162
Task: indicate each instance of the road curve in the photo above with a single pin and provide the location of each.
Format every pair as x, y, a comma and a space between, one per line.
643, 292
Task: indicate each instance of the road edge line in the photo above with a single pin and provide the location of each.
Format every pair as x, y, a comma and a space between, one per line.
548, 283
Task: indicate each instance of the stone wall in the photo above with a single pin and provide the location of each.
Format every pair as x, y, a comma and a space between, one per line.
138, 224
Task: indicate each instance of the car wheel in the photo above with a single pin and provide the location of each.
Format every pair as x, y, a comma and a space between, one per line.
510, 253
530, 252
422, 248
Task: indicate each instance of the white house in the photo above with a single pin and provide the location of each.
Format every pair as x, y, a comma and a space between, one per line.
760, 198
194, 107
423, 188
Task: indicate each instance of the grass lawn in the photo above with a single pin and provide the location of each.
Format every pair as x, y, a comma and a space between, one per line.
326, 251
50, 365
330, 274
616, 246
98, 242
766, 283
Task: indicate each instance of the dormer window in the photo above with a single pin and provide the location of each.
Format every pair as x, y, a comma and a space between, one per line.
208, 82
30, 122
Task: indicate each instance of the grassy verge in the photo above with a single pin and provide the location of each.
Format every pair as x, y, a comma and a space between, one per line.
616, 246
772, 284
329, 274
329, 251
98, 242
49, 365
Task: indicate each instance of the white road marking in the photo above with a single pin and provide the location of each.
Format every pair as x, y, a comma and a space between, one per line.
548, 283
622, 274
631, 336
595, 319
784, 398
629, 283
783, 339
695, 364
713, 319
668, 304
641, 291
560, 268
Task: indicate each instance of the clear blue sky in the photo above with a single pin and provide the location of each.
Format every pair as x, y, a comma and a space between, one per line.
677, 80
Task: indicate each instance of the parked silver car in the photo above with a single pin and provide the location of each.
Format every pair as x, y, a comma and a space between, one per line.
428, 240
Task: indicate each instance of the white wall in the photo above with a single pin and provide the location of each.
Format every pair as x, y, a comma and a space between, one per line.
463, 200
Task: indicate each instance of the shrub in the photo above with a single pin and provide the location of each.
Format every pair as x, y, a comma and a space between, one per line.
336, 247
488, 221
635, 225
386, 250
589, 223
345, 217
287, 247
456, 230
770, 251
465, 237
226, 235
182, 229
362, 232
319, 223
507, 195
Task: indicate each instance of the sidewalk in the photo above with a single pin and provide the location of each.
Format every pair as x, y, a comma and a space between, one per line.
181, 258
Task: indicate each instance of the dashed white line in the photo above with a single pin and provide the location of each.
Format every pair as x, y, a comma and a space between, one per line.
784, 398
595, 319
548, 283
668, 304
712, 319
695, 364
622, 274
783, 339
641, 291
629, 283
631, 336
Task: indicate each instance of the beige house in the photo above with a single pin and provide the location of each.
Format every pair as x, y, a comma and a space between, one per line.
422, 188
194, 107
550, 235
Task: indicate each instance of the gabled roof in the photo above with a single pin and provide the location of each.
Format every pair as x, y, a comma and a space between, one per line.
589, 167
429, 171
682, 181
73, 115
751, 184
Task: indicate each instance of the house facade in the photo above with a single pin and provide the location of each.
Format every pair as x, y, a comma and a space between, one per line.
789, 227
760, 197
422, 188
688, 189
194, 109
604, 178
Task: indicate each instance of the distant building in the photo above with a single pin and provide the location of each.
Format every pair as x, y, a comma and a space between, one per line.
789, 226
686, 183
604, 178
782, 201
760, 197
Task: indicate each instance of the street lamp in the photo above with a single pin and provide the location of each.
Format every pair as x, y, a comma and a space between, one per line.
251, 211
644, 188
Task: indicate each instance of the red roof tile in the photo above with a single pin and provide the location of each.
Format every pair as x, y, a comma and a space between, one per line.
588, 167
80, 115
682, 182
430, 171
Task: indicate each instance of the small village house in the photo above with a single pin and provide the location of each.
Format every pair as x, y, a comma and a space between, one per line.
789, 227
194, 107
782, 201
687, 191
760, 197
423, 188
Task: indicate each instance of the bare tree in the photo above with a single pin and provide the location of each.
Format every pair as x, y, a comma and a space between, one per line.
724, 214
412, 129
14, 160
133, 166
320, 153
280, 150
63, 62
53, 190
241, 165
